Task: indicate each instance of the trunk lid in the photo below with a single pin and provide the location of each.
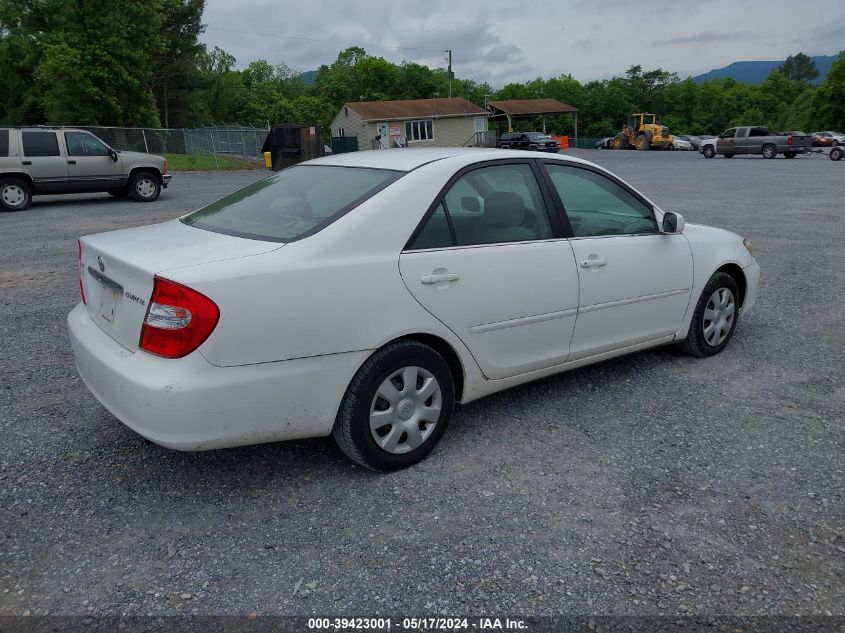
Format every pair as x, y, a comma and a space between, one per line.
118, 268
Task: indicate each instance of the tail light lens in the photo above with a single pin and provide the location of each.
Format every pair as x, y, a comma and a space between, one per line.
178, 320
81, 271
789, 140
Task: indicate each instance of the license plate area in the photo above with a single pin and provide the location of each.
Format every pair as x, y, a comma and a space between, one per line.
110, 294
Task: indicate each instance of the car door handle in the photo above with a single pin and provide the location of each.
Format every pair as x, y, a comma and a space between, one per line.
71, 162
26, 162
593, 262
436, 278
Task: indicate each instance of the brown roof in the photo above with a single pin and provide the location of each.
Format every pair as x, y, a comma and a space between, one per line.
531, 106
415, 108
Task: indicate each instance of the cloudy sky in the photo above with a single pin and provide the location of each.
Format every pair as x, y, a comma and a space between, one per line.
500, 41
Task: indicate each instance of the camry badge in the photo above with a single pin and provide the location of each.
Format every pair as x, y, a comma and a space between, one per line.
101, 264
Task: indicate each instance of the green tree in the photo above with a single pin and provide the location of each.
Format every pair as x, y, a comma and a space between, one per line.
799, 67
827, 109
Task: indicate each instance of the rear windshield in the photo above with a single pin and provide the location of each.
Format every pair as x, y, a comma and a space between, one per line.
292, 204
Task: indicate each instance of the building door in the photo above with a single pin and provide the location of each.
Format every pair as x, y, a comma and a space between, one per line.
384, 135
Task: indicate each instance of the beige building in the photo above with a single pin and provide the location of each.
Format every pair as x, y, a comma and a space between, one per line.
445, 122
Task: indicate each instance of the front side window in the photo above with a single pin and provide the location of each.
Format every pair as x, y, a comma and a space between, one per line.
597, 206
419, 130
82, 144
497, 204
292, 203
40, 143
728, 133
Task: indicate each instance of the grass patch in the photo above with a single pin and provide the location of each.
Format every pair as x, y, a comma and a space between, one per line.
207, 162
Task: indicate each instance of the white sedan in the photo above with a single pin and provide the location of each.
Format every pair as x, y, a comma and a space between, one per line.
680, 144
364, 294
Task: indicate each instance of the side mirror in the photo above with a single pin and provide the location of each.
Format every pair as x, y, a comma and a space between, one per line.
673, 223
113, 155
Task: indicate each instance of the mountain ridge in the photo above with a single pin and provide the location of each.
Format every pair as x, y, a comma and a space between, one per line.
754, 72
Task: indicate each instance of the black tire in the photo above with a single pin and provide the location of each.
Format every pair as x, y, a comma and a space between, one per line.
15, 194
709, 151
696, 342
835, 143
770, 151
643, 143
671, 147
352, 426
144, 186
836, 153
618, 142
790, 154
504, 146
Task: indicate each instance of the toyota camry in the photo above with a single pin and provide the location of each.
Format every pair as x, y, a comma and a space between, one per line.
363, 295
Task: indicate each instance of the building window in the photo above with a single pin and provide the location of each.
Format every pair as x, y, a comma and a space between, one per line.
419, 131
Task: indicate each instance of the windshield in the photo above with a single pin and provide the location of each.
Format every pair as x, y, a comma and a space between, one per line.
293, 203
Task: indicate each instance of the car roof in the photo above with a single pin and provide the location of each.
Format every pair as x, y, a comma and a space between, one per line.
408, 159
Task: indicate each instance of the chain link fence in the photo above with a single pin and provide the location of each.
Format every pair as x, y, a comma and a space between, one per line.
237, 141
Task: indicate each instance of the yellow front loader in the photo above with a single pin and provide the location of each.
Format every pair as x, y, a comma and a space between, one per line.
643, 132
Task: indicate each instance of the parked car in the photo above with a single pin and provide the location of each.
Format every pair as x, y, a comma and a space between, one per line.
756, 140
39, 160
605, 143
534, 141
695, 141
339, 297
834, 138
821, 141
680, 144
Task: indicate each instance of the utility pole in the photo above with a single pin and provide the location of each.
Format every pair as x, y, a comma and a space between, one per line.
451, 74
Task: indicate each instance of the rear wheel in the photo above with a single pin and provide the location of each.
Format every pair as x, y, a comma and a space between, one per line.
15, 194
709, 151
715, 317
396, 408
643, 143
144, 186
770, 151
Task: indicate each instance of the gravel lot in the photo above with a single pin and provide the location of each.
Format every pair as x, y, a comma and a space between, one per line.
655, 483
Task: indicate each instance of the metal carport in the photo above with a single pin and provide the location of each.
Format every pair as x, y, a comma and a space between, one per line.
521, 109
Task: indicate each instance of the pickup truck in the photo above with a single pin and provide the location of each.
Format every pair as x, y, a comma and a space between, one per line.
756, 139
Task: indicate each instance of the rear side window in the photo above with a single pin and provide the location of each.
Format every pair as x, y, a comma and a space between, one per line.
292, 204
4, 142
40, 143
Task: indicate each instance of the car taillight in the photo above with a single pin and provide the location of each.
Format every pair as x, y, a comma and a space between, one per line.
178, 320
81, 271
789, 140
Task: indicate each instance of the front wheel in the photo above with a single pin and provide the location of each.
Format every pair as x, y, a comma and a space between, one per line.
15, 194
770, 151
709, 151
144, 186
396, 408
715, 317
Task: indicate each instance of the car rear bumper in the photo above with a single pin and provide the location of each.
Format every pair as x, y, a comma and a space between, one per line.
189, 404
752, 286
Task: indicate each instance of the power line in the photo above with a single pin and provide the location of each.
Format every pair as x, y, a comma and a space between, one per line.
314, 39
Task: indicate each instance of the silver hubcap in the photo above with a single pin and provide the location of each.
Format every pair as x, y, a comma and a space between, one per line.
13, 195
146, 187
719, 316
405, 409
